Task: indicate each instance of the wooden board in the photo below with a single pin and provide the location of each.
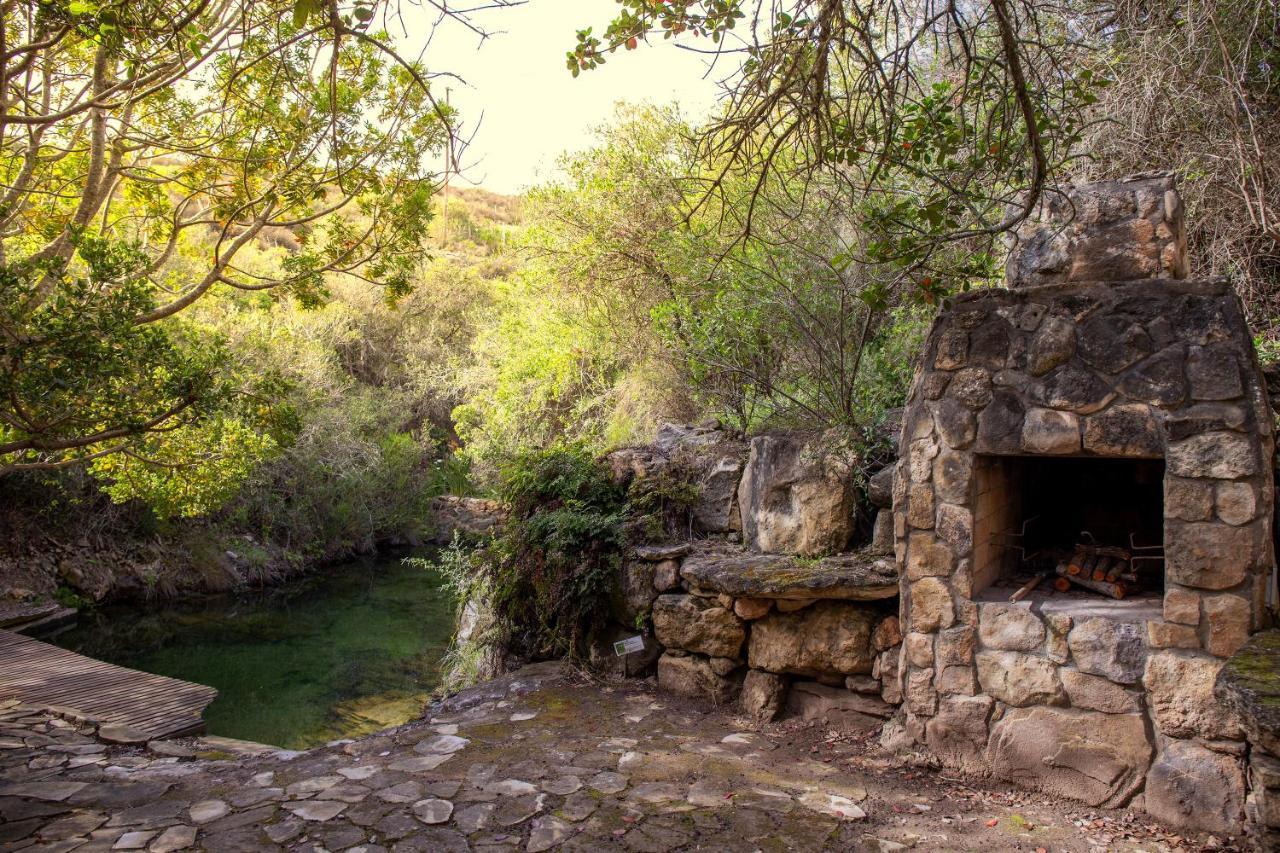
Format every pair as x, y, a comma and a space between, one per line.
41, 674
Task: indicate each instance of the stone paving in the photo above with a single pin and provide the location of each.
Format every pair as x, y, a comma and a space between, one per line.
537, 760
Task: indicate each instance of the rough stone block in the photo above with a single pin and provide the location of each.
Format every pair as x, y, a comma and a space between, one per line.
918, 649
1019, 680
1098, 758
1094, 693
795, 498
763, 695
1123, 430
1211, 555
954, 525
1219, 455
1236, 503
692, 675
958, 733
1010, 627
882, 534
956, 423
1050, 431
1181, 606
1214, 372
1180, 696
927, 557
887, 634
1117, 650
1158, 381
1052, 345
1227, 619
957, 680
752, 608
829, 637
932, 607
955, 646
687, 622
920, 696
953, 476
1171, 635
1189, 785
1188, 500
920, 506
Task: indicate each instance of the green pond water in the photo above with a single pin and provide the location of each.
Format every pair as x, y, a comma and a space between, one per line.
352, 649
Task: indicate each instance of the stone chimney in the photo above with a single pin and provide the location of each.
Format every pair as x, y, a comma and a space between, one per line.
1122, 230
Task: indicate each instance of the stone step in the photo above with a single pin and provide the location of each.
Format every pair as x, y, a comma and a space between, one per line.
741, 573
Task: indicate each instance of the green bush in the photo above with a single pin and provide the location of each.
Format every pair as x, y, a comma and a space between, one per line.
554, 566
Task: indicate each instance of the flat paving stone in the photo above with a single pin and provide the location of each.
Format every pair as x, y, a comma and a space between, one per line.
208, 810
433, 811
440, 745
317, 810
174, 838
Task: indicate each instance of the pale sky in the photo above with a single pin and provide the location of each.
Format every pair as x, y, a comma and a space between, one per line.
533, 109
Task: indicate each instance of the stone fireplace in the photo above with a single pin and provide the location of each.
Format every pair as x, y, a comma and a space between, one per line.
1101, 400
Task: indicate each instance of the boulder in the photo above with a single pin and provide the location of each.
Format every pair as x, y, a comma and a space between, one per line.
1019, 679
1192, 786
795, 499
1098, 758
697, 625
1180, 695
1116, 650
692, 675
829, 637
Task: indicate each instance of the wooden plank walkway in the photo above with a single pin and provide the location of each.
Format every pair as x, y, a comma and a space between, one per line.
41, 674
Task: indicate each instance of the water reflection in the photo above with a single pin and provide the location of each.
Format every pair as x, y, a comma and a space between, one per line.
346, 652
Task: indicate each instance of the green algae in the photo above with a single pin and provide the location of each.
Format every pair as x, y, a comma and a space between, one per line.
345, 652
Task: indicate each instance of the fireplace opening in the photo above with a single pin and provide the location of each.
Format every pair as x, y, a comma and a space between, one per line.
1066, 530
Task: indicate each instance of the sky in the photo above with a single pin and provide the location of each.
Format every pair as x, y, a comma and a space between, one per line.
532, 108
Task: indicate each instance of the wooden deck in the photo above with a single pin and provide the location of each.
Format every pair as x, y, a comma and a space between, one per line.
41, 674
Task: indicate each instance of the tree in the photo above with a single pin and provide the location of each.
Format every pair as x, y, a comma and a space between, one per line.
940, 123
143, 145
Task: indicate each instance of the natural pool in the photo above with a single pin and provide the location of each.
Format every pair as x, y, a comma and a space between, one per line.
350, 650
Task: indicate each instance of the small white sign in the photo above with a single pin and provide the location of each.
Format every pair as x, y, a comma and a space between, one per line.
629, 645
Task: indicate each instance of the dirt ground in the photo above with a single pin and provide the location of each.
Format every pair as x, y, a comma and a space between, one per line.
542, 759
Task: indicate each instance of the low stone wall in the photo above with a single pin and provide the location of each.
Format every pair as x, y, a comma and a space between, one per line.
818, 636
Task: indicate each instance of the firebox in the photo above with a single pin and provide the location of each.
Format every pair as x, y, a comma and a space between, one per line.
1078, 525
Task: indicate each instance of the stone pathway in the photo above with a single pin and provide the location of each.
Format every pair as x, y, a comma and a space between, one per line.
537, 760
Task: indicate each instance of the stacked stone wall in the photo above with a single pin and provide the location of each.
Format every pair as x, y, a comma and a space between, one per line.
1111, 708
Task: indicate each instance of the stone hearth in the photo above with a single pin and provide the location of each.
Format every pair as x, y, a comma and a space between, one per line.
1116, 407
